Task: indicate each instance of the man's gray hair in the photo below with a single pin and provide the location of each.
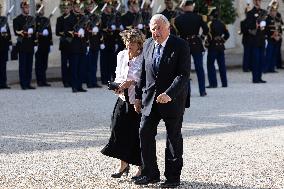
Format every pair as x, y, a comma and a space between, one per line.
157, 17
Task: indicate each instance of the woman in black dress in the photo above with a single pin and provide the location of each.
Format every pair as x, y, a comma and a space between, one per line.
124, 143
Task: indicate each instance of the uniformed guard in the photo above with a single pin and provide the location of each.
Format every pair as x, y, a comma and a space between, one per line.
146, 12
45, 44
247, 43
117, 20
217, 36
279, 43
108, 41
5, 43
190, 32
274, 35
256, 26
131, 18
170, 13
24, 28
94, 35
78, 47
65, 41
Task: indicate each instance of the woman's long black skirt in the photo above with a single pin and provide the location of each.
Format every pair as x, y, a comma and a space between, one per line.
124, 142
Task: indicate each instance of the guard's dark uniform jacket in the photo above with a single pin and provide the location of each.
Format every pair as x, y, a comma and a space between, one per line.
246, 39
5, 42
128, 19
190, 32
257, 36
108, 37
273, 28
94, 38
44, 42
61, 31
217, 35
21, 24
170, 15
5, 38
78, 44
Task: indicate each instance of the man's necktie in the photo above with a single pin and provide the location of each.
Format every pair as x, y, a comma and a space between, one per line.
157, 58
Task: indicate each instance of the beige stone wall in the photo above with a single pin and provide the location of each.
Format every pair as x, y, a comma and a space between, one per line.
3, 3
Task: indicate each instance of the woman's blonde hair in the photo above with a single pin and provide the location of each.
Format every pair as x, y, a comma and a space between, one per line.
133, 36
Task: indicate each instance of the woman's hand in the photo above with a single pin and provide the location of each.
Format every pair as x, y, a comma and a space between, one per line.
125, 85
118, 92
137, 105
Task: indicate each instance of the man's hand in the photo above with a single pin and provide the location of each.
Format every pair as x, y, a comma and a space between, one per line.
163, 98
137, 105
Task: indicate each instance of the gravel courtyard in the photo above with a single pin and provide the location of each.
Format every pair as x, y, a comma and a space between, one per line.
233, 138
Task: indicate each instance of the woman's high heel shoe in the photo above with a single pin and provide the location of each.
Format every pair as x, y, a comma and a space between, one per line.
119, 174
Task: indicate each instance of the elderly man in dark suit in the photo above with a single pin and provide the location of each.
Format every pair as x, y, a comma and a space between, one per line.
161, 94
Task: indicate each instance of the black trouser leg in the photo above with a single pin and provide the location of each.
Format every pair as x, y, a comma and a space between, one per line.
148, 131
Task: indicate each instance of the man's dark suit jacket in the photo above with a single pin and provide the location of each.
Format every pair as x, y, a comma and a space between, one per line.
172, 77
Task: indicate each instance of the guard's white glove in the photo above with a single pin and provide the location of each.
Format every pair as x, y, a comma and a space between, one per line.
10, 48
45, 32
121, 27
113, 27
50, 48
262, 24
30, 31
95, 30
35, 48
116, 47
88, 50
81, 32
140, 26
248, 1
3, 29
102, 46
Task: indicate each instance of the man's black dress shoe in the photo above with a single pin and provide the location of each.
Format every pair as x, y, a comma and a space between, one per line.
210, 86
66, 85
94, 86
43, 85
30, 87
144, 180
82, 90
46, 85
170, 184
134, 178
74, 90
203, 94
97, 86
260, 81
5, 87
